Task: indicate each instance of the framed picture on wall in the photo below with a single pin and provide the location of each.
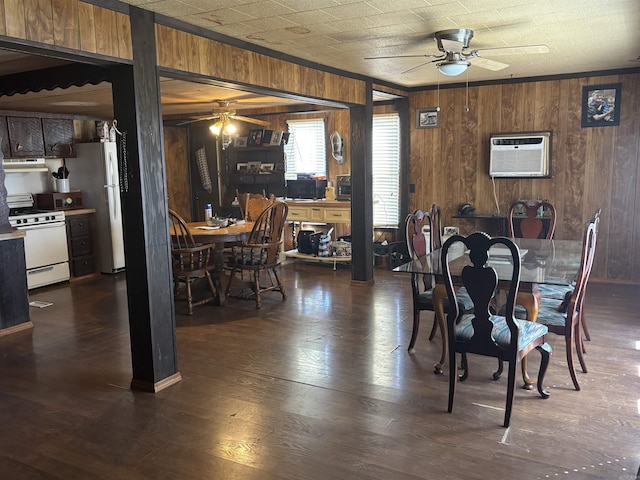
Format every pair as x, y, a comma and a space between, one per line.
601, 105
240, 142
255, 137
427, 118
276, 137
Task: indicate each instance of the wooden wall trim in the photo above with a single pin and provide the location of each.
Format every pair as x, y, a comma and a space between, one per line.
182, 51
67, 24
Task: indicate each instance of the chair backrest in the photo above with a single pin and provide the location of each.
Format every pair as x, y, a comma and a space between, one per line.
586, 262
267, 231
417, 244
481, 280
180, 235
252, 204
531, 226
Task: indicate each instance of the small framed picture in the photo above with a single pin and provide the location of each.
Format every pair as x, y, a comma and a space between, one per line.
255, 137
601, 105
427, 117
254, 167
285, 138
266, 137
266, 168
242, 167
240, 142
276, 137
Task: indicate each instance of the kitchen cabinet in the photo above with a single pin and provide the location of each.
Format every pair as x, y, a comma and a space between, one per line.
80, 243
25, 137
58, 137
36, 135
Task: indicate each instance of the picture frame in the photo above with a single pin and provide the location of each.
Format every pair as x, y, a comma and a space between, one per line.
276, 137
242, 167
255, 137
601, 105
240, 142
266, 168
428, 117
254, 167
285, 138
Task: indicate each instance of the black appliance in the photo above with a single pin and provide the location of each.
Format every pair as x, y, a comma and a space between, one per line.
343, 187
307, 189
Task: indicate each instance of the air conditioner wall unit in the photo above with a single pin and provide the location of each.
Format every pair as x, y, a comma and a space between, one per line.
520, 155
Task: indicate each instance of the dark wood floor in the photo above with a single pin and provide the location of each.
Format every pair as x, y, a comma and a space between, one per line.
317, 387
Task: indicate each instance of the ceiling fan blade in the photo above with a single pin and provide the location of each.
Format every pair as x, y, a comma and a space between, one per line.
198, 119
250, 120
452, 45
403, 56
526, 49
421, 65
487, 64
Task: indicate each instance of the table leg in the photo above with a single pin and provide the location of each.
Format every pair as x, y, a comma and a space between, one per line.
439, 294
218, 273
531, 303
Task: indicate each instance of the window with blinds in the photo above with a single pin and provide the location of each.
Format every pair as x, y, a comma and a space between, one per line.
386, 170
305, 151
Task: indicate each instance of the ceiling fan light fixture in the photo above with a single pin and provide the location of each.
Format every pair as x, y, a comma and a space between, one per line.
229, 129
216, 127
453, 69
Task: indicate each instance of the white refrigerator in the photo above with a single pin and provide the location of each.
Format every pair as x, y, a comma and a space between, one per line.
94, 171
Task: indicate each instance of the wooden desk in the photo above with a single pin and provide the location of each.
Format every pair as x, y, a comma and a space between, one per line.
317, 211
551, 262
201, 233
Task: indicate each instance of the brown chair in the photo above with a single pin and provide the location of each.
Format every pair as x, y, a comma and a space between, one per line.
190, 262
260, 253
531, 226
482, 333
566, 320
252, 204
422, 285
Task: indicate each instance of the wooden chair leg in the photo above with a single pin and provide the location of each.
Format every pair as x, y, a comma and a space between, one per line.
545, 351
280, 285
256, 283
434, 328
511, 387
189, 297
414, 331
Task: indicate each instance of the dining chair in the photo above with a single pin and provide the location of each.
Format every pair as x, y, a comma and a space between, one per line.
531, 226
261, 253
482, 333
190, 262
422, 285
252, 204
562, 293
566, 320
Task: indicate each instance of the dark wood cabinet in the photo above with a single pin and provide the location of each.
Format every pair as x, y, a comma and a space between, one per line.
80, 244
256, 168
58, 137
36, 135
25, 136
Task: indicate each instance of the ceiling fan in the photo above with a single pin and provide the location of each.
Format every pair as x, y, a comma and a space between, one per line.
455, 58
224, 115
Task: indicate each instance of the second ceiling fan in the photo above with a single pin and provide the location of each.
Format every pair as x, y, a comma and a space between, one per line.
223, 116
455, 58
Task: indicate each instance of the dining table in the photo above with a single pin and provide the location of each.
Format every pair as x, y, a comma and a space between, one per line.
221, 237
543, 262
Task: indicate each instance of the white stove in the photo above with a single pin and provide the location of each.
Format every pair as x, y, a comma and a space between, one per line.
45, 241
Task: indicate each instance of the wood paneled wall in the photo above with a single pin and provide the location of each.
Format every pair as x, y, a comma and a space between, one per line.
592, 167
68, 24
190, 53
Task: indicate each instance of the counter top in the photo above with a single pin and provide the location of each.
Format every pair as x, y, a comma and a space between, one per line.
79, 211
316, 203
12, 235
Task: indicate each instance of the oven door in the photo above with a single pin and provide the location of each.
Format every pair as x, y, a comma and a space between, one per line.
46, 254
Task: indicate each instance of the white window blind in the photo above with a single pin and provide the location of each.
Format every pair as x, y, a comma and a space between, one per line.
386, 170
305, 151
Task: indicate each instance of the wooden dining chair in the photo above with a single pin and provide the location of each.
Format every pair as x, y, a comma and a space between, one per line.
482, 333
566, 319
252, 204
260, 254
190, 262
531, 226
422, 285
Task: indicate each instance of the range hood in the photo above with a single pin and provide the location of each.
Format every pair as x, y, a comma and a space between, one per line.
24, 165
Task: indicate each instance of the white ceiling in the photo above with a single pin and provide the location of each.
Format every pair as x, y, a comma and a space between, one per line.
582, 35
